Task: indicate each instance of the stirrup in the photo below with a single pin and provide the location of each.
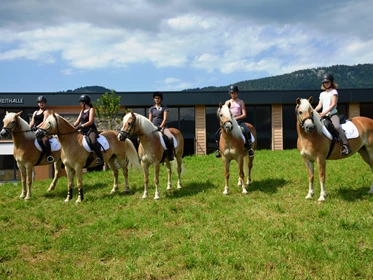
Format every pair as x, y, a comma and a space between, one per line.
251, 152
218, 155
99, 161
345, 150
50, 159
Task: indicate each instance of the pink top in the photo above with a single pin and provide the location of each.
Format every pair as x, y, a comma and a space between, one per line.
236, 109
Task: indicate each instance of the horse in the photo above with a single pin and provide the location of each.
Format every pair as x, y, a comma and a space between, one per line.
26, 154
232, 147
151, 150
75, 156
314, 145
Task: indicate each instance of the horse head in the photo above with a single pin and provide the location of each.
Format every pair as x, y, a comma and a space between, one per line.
49, 127
225, 117
305, 114
11, 123
128, 128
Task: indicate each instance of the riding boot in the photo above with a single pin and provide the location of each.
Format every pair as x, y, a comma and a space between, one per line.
100, 159
48, 152
170, 150
249, 147
218, 155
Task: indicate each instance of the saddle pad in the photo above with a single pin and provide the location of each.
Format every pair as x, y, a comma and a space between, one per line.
101, 139
163, 143
350, 130
348, 127
55, 144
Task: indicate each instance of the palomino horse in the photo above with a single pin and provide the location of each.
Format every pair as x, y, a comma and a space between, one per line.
231, 146
151, 149
313, 145
25, 152
75, 156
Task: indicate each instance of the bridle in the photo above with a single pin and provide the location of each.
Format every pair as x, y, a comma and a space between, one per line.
131, 129
46, 130
12, 129
302, 121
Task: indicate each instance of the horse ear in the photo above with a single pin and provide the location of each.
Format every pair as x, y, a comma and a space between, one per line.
133, 115
298, 101
220, 105
18, 114
310, 100
229, 105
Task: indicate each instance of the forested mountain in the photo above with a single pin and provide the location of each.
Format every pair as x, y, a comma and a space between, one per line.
357, 76
90, 89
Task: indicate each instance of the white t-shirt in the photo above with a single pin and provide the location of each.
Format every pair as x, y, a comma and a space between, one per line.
326, 99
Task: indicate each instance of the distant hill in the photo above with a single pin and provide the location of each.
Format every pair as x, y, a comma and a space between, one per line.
87, 89
357, 76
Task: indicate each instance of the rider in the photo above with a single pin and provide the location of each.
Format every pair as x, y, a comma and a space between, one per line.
238, 111
328, 103
158, 114
38, 118
86, 124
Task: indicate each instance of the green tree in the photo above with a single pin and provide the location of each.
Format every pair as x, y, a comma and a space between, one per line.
107, 110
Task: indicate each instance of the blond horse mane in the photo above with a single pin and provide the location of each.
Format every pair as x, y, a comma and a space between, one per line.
23, 125
236, 132
147, 126
304, 106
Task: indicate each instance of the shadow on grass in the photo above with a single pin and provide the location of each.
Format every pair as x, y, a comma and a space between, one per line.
190, 189
61, 191
267, 186
350, 195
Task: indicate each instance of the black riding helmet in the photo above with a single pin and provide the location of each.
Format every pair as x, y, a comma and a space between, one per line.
41, 98
327, 78
233, 88
85, 98
159, 94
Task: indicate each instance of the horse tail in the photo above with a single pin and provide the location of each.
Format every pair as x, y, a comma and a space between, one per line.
132, 155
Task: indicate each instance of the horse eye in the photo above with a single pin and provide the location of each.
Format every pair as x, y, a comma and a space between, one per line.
300, 112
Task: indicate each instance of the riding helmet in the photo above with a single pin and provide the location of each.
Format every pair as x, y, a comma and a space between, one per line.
233, 88
85, 98
327, 78
157, 93
41, 98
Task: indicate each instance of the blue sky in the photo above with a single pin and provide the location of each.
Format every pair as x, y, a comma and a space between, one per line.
141, 45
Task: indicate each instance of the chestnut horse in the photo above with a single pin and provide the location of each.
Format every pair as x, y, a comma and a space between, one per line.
25, 152
151, 150
313, 145
75, 156
232, 147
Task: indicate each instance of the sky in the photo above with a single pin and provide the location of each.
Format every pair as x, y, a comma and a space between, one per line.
171, 45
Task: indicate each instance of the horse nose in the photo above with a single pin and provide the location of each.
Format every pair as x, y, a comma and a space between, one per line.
309, 127
122, 136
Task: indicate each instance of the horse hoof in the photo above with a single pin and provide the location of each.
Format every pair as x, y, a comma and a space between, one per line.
225, 192
126, 192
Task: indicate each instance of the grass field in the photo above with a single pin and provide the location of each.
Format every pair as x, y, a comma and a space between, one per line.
273, 232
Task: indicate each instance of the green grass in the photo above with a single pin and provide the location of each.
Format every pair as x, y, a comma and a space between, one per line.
273, 232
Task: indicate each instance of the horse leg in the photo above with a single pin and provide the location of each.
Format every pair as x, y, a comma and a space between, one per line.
28, 181
367, 155
179, 168
57, 172
156, 180
241, 174
114, 169
70, 183
79, 182
322, 167
169, 176
22, 171
145, 169
226, 175
310, 171
250, 166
